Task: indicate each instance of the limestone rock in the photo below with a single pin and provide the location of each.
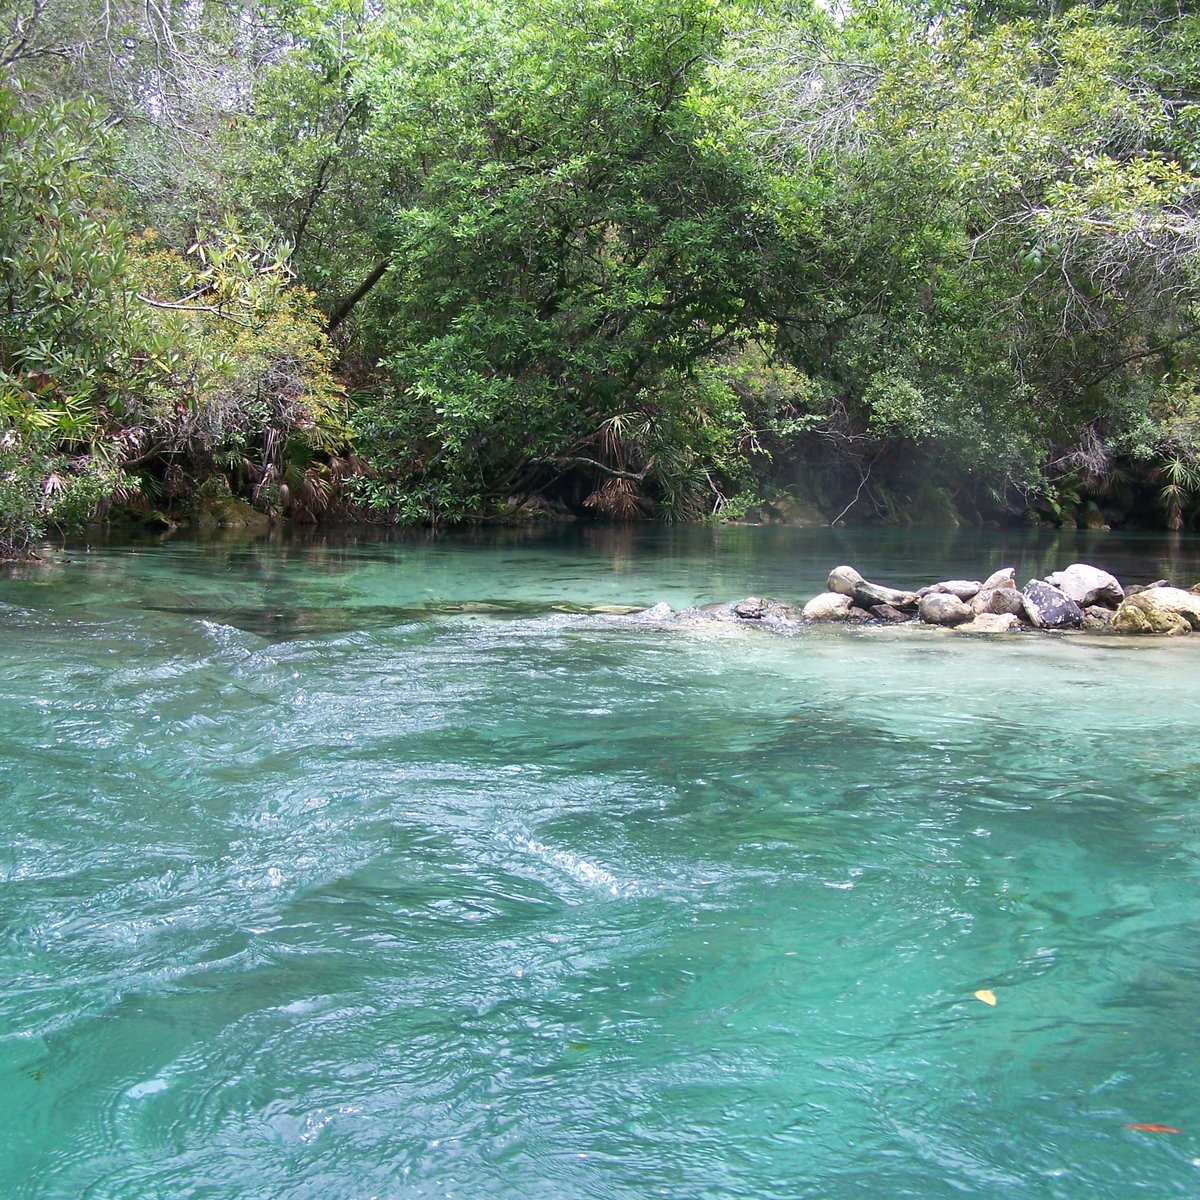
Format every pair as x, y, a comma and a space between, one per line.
1133, 617
868, 595
1088, 585
992, 623
1049, 608
1160, 608
998, 601
829, 606
1006, 577
844, 580
964, 589
941, 608
787, 510
228, 512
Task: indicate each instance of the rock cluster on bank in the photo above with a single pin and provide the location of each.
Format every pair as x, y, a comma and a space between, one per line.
1078, 597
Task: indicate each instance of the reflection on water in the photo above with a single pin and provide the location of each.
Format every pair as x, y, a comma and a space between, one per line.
387, 867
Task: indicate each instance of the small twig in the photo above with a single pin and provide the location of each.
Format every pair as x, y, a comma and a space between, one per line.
862, 483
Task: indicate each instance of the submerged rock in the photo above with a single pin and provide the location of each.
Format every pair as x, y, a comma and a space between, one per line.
941, 608
1088, 585
992, 623
1049, 608
657, 612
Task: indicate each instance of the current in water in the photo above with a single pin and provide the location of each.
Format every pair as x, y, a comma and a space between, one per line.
339, 869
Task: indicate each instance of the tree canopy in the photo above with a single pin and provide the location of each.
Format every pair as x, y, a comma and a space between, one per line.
424, 262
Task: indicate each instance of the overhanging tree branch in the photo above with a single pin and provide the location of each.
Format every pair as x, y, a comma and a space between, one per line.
343, 310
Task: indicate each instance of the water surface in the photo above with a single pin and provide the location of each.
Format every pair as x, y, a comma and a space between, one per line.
389, 867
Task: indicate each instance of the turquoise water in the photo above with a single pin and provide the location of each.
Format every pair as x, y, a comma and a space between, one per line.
386, 868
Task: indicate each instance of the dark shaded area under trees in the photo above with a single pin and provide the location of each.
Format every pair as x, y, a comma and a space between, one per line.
437, 262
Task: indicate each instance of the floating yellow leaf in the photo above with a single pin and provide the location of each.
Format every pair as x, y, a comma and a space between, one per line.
987, 996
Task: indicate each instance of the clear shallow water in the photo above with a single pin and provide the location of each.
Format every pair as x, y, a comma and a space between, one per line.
381, 869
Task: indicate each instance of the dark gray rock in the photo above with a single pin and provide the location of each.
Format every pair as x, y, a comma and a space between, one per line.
1049, 608
889, 613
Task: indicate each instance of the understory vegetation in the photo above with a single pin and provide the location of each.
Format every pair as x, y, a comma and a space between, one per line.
903, 260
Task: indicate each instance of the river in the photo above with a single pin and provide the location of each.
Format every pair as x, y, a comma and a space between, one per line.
341, 867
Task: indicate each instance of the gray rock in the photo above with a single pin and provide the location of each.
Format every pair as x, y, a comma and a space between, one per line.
888, 613
828, 606
941, 608
1133, 589
992, 623
1088, 585
1096, 616
964, 589
750, 609
1048, 608
999, 601
753, 608
868, 595
844, 580
1006, 577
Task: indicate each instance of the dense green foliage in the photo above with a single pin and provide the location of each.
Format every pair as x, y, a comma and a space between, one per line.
425, 262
